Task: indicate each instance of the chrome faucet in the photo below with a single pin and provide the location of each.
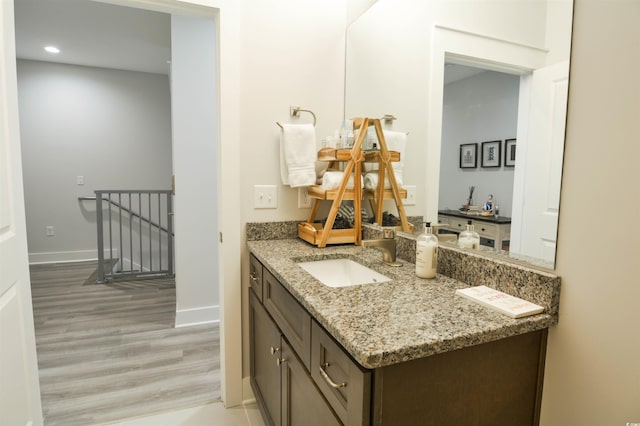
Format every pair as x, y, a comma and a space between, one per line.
387, 244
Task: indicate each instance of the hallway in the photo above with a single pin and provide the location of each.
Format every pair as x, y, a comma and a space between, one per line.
109, 352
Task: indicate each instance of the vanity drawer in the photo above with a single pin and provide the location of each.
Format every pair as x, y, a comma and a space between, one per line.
292, 319
457, 225
342, 381
255, 276
485, 229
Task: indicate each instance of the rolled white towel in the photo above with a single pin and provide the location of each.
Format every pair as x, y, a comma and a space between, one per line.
332, 180
321, 168
370, 180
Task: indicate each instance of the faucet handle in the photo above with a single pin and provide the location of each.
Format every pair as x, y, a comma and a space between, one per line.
388, 233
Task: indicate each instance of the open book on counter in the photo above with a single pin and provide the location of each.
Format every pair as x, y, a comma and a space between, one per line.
501, 302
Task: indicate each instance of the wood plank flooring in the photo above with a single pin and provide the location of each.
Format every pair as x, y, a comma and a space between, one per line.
107, 352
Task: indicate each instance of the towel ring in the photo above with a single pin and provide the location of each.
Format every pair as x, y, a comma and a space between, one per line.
294, 111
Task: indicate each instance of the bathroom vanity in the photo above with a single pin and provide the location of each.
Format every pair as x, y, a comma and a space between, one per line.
408, 351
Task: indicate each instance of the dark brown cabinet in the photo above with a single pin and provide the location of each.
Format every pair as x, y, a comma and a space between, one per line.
301, 376
280, 337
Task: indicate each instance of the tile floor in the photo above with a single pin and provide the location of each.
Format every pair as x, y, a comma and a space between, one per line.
213, 414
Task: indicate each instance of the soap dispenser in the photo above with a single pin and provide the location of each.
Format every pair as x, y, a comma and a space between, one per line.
469, 238
427, 253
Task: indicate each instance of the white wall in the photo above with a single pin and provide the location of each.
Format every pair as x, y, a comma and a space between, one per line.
111, 127
292, 53
593, 370
195, 144
478, 109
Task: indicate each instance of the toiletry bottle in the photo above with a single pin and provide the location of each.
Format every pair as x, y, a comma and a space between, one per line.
469, 238
426, 253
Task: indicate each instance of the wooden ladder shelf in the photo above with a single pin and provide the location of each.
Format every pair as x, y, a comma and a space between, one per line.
319, 235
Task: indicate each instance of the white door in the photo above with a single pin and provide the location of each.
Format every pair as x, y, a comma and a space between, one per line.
19, 385
539, 178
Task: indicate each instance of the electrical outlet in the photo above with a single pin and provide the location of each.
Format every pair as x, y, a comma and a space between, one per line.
50, 231
265, 197
411, 195
304, 201
80, 180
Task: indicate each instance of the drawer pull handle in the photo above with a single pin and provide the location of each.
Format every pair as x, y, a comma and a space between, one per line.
254, 277
482, 229
327, 379
273, 350
280, 361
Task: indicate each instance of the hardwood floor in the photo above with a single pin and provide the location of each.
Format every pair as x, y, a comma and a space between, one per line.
107, 352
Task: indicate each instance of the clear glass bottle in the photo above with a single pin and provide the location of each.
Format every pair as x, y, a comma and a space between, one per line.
469, 238
427, 253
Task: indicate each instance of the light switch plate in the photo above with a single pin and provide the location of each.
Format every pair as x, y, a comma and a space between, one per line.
411, 195
265, 197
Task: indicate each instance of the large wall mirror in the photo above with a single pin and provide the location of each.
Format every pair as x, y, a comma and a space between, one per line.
467, 72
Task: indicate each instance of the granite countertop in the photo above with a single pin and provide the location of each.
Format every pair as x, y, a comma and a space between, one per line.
386, 323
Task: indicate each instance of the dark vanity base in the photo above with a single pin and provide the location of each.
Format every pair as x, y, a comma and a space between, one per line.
496, 383
302, 376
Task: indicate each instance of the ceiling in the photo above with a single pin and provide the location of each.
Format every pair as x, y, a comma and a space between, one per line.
93, 34
97, 34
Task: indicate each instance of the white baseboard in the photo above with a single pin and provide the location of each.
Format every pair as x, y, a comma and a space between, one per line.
247, 392
204, 315
63, 256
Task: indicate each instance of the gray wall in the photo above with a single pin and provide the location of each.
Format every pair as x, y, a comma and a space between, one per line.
195, 160
111, 127
478, 109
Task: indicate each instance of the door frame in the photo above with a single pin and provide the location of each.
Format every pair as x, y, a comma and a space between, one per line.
225, 13
477, 50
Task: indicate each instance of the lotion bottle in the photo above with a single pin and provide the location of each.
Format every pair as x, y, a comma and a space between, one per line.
427, 253
469, 238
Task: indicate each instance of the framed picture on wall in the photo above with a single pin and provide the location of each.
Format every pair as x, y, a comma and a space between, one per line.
509, 152
491, 153
469, 156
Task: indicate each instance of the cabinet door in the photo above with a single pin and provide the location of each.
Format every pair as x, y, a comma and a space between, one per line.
302, 402
264, 355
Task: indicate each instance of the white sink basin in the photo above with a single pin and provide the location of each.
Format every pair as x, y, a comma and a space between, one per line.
342, 272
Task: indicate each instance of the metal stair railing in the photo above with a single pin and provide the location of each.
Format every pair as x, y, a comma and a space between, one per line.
138, 225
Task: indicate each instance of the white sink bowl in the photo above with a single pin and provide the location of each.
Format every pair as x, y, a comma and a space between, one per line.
342, 272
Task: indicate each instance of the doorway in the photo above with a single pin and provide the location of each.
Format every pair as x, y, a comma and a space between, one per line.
233, 382
480, 111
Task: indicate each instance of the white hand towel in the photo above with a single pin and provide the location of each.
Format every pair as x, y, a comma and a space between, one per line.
370, 180
298, 155
332, 180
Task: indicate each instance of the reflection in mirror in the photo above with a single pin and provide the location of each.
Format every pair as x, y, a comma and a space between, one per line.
395, 64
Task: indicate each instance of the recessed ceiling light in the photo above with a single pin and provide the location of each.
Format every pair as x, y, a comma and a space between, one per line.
52, 49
